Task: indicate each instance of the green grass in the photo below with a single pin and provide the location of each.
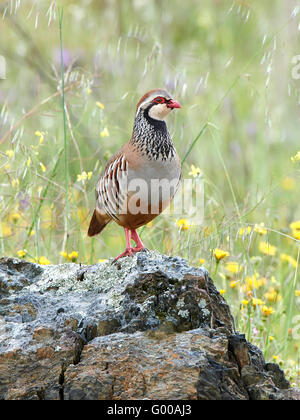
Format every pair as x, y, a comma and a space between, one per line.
229, 64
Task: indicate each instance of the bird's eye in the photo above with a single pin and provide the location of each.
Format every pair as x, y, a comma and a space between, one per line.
159, 100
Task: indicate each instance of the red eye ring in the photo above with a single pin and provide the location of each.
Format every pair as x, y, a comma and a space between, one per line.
159, 100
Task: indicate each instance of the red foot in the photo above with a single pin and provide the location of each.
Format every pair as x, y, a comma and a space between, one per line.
128, 252
137, 248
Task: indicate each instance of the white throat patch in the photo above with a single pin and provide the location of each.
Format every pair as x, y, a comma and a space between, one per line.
159, 111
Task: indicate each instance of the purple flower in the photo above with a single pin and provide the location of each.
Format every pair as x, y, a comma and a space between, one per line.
68, 57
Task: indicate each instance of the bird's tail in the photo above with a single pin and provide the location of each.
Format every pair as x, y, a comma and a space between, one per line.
97, 224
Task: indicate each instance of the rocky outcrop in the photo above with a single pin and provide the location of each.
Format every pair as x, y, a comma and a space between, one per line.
148, 327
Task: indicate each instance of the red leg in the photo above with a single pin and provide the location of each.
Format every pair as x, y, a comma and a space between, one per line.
137, 240
128, 251
131, 234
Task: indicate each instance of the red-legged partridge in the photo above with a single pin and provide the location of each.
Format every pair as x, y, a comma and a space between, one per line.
140, 180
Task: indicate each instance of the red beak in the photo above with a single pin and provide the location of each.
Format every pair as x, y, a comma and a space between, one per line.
173, 104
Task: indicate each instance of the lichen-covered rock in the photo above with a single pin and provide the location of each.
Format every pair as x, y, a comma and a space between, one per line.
148, 327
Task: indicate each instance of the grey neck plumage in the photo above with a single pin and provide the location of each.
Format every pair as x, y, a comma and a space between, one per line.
152, 138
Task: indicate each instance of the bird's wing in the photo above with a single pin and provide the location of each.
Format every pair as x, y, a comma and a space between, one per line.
111, 187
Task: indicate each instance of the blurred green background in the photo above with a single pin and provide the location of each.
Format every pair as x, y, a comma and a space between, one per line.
230, 65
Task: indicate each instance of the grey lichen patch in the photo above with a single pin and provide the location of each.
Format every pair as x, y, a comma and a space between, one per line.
184, 313
106, 276
202, 303
173, 267
180, 303
205, 312
99, 278
56, 277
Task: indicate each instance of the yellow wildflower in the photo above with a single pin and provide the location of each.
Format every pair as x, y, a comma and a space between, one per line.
287, 258
15, 183
41, 135
275, 358
295, 225
288, 183
22, 253
201, 261
245, 231
253, 282
296, 157
267, 248
73, 256
233, 284
260, 229
10, 153
272, 295
100, 261
6, 230
100, 104
195, 171
219, 254
64, 254
43, 167
245, 302
104, 132
297, 293
222, 292
274, 281
149, 224
44, 261
14, 218
271, 338
84, 176
257, 302
233, 267
267, 310
296, 234
183, 224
